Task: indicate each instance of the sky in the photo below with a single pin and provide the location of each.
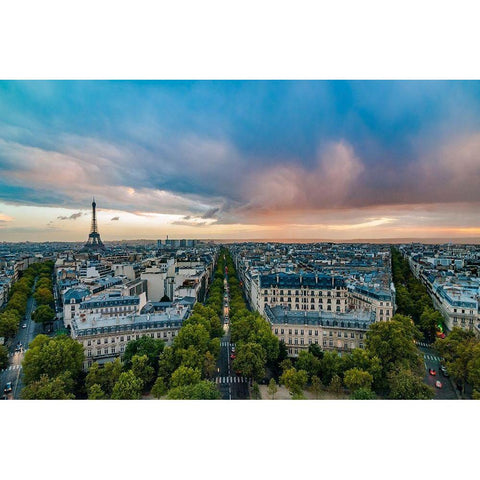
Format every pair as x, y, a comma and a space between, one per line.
239, 159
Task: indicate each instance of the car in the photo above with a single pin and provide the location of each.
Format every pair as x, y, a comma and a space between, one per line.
8, 388
444, 371
438, 384
233, 356
233, 348
432, 372
24, 325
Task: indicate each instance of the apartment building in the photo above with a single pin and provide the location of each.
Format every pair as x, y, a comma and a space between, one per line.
330, 330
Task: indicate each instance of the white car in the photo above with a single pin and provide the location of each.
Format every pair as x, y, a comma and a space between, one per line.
24, 325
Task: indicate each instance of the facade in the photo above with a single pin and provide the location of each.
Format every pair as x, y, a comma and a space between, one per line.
300, 292
330, 330
379, 301
105, 338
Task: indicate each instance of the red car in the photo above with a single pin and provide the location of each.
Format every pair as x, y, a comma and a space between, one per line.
432, 372
232, 356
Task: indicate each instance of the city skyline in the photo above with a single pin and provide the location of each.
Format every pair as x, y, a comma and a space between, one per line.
336, 160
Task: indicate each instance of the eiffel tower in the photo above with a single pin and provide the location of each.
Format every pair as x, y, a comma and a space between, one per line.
94, 241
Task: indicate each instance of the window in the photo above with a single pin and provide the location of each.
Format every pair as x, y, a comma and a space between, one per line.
301, 332
112, 350
345, 334
289, 331
122, 349
281, 331
301, 341
276, 331
128, 338
112, 340
105, 351
361, 335
352, 335
324, 343
89, 342
121, 339
330, 343
89, 353
330, 333
296, 331
309, 332
296, 341
309, 341
105, 340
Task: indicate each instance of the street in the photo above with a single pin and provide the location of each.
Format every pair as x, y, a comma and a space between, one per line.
13, 373
432, 360
231, 385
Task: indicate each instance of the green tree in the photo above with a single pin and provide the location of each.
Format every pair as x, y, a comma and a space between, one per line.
330, 365
363, 394
128, 387
458, 349
159, 388
309, 362
314, 348
355, 379
52, 357
145, 345
193, 335
250, 360
185, 376
294, 380
43, 314
335, 385
95, 392
3, 357
204, 390
168, 363
142, 369
9, 322
43, 296
406, 385
316, 386
46, 388
209, 365
272, 388
256, 392
429, 319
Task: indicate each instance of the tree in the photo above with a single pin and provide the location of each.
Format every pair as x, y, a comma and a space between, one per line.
185, 376
3, 357
250, 360
314, 348
458, 349
43, 296
309, 362
46, 388
9, 322
294, 380
286, 364
272, 388
256, 392
145, 345
209, 365
363, 394
393, 343
204, 390
43, 314
330, 365
193, 335
406, 385
168, 363
356, 378
429, 320
142, 369
316, 387
336, 385
159, 388
95, 392
128, 387
52, 357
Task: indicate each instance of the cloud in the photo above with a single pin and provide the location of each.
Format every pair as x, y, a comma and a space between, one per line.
114, 219
73, 216
210, 213
5, 218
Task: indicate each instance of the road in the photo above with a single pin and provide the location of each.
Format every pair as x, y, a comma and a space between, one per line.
231, 385
13, 373
431, 359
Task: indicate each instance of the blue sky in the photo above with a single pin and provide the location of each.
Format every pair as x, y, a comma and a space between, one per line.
228, 159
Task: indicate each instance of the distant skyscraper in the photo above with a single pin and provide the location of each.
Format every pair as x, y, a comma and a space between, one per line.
94, 241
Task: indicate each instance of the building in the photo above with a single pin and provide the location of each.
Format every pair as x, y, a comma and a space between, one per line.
299, 292
330, 330
105, 338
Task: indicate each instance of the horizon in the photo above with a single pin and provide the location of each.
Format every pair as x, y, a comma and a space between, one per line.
240, 159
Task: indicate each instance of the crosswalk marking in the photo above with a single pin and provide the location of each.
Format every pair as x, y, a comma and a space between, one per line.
13, 367
432, 357
226, 344
230, 379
